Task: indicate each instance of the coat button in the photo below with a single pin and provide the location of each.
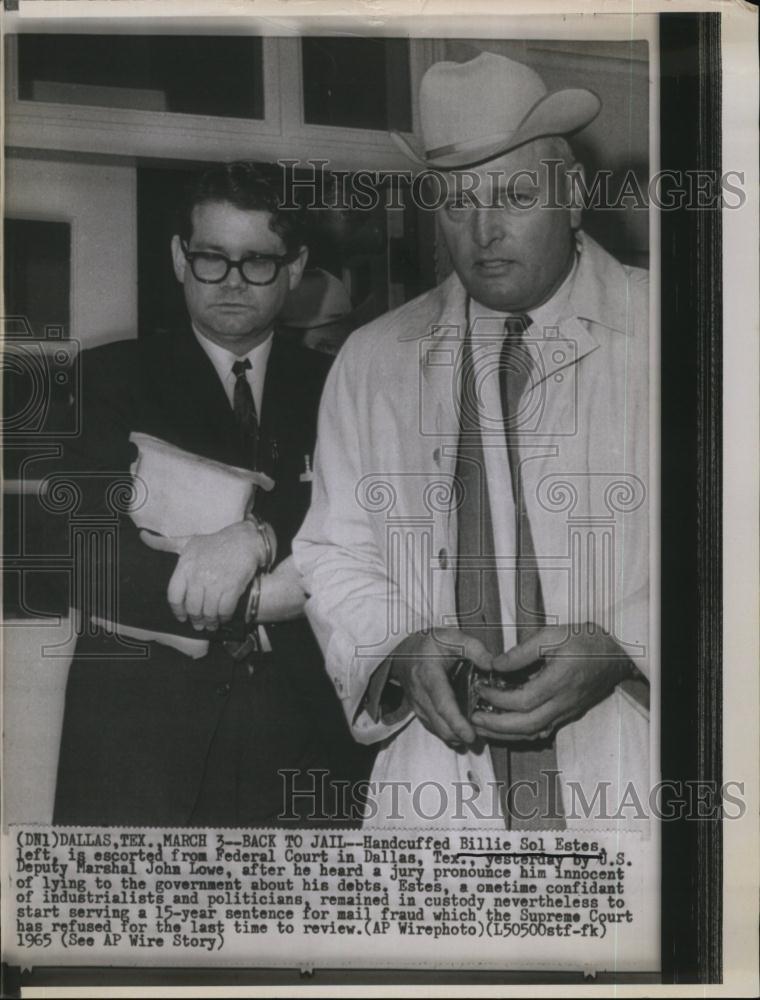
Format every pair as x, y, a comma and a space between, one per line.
222, 690
443, 559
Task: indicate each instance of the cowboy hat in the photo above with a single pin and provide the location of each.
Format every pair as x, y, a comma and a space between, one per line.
473, 112
320, 309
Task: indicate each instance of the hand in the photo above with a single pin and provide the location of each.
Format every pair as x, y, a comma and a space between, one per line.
421, 664
212, 571
579, 670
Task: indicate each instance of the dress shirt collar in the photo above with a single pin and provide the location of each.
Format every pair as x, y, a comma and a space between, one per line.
223, 360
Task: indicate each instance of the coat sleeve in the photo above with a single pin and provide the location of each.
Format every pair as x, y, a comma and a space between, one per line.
630, 614
351, 594
83, 515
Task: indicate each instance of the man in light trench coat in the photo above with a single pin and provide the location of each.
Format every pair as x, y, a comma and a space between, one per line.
481, 492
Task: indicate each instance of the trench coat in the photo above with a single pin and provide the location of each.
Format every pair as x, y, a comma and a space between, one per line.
378, 547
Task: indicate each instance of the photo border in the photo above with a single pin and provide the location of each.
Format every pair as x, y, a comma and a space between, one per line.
691, 484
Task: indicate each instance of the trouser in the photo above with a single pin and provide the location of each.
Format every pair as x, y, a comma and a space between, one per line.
157, 738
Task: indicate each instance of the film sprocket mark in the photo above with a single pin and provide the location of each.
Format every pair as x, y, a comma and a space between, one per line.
467, 681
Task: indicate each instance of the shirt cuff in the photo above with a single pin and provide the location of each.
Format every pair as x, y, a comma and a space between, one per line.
385, 700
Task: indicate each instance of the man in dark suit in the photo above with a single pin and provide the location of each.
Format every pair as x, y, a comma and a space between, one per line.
174, 732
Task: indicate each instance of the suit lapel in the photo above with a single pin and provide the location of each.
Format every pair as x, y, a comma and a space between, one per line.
196, 415
283, 408
272, 402
184, 402
288, 428
193, 399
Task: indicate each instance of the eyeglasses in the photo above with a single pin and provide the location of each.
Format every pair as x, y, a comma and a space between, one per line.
255, 269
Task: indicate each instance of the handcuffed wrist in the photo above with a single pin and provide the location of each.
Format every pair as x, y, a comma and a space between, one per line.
254, 600
266, 541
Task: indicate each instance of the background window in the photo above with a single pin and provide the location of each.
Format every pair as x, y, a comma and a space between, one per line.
38, 273
184, 74
357, 83
39, 375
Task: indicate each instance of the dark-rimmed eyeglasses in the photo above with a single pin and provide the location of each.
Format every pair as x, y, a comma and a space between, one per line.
255, 268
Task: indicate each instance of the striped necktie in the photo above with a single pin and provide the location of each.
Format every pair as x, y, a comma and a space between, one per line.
244, 408
477, 589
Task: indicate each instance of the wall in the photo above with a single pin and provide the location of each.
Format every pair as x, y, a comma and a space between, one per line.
99, 200
36, 660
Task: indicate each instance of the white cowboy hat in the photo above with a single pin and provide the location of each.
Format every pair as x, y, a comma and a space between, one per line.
473, 112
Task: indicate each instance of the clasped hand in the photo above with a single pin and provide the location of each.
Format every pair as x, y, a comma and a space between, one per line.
579, 666
212, 571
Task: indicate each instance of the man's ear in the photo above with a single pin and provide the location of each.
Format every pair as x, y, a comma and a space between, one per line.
179, 259
296, 268
576, 182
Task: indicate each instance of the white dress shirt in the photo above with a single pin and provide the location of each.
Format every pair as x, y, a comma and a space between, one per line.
223, 360
487, 332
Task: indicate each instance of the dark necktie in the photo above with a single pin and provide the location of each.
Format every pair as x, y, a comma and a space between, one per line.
516, 374
533, 760
477, 589
245, 411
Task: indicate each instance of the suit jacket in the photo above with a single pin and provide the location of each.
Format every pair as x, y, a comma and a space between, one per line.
378, 547
140, 718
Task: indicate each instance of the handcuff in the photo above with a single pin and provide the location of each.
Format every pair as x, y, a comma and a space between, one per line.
251, 643
467, 682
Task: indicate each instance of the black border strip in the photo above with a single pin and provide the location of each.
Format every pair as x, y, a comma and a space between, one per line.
691, 633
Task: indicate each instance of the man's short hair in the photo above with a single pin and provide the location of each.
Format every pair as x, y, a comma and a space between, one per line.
249, 188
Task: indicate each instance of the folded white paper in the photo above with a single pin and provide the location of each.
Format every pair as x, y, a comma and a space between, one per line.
178, 493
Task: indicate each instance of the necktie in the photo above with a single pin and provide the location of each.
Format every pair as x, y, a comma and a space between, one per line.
245, 411
516, 371
532, 760
477, 587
